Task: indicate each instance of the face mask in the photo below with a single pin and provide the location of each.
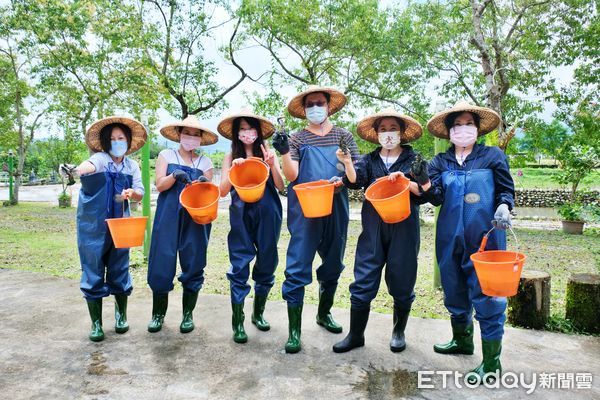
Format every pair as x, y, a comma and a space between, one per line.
189, 142
248, 136
463, 135
118, 148
389, 140
316, 115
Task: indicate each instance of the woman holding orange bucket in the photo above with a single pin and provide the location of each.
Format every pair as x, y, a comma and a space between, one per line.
174, 232
108, 178
473, 185
310, 155
255, 227
395, 245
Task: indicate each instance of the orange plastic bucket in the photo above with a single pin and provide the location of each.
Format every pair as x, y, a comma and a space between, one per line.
249, 179
316, 198
390, 199
498, 271
127, 232
201, 200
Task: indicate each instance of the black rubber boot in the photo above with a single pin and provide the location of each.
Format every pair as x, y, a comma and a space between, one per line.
324, 317
490, 364
356, 337
461, 343
237, 323
257, 315
293, 344
398, 343
189, 303
159, 310
95, 309
121, 324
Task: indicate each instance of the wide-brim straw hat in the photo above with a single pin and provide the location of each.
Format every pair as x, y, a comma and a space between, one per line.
337, 100
138, 133
171, 131
488, 119
225, 127
412, 129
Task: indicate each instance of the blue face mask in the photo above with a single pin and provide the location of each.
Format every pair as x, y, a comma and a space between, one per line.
118, 148
316, 114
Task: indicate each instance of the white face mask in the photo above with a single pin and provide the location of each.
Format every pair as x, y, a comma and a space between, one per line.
463, 135
316, 114
248, 136
189, 142
389, 140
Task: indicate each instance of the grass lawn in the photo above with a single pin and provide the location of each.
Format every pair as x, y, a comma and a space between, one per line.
41, 237
541, 178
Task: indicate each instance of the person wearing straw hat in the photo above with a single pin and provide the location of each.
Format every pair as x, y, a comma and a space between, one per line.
174, 232
108, 179
310, 155
394, 245
255, 227
473, 185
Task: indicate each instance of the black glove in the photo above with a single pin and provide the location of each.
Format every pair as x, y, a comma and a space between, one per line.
419, 171
181, 176
281, 142
202, 178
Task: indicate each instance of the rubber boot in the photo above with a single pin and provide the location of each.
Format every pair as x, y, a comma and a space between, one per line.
490, 364
257, 314
189, 303
95, 309
356, 337
121, 324
293, 344
324, 317
398, 343
237, 323
461, 343
159, 310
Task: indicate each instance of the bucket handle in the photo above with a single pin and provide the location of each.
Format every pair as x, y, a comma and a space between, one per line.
485, 240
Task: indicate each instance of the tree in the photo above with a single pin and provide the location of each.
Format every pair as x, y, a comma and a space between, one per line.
542, 138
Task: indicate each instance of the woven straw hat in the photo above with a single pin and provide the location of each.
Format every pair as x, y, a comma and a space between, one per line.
336, 102
138, 133
171, 131
489, 119
225, 127
412, 130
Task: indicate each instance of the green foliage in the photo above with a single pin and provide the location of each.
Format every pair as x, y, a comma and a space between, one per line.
542, 138
577, 162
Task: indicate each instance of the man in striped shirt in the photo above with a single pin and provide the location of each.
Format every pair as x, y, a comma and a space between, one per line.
319, 151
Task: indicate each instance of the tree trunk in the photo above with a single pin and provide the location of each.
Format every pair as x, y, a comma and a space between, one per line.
583, 302
530, 308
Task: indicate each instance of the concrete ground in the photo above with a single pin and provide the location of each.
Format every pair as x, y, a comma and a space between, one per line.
45, 353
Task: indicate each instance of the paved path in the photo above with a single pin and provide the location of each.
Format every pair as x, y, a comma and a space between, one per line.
45, 353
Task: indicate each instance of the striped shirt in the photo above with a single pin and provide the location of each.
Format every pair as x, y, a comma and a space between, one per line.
305, 137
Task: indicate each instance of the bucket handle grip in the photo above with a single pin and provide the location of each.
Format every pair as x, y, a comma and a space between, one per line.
485, 240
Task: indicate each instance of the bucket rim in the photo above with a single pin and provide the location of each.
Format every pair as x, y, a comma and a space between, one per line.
312, 185
520, 256
126, 218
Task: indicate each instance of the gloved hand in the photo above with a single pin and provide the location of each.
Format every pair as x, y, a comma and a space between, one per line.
68, 171
337, 181
281, 142
419, 171
202, 178
181, 176
502, 217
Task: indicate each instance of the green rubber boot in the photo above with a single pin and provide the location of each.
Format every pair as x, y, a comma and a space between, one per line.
490, 364
324, 317
95, 309
461, 343
188, 301
159, 310
121, 324
293, 344
257, 314
237, 323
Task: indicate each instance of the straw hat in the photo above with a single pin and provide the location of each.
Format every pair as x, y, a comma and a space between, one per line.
171, 131
489, 119
412, 129
138, 133
336, 102
226, 125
